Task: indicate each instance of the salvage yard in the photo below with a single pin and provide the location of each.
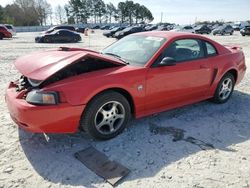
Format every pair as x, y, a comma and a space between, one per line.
202, 145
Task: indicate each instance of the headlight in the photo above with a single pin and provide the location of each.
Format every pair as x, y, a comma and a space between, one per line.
42, 98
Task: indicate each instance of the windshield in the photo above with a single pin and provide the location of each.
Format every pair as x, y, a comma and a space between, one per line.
115, 29
135, 49
187, 27
128, 29
50, 30
8, 26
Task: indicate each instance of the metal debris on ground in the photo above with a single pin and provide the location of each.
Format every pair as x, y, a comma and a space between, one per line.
99, 163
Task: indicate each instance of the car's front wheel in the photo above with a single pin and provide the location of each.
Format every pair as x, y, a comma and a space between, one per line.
224, 89
46, 40
106, 115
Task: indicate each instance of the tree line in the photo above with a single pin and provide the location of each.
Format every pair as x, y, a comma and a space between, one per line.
39, 12
26, 12
96, 11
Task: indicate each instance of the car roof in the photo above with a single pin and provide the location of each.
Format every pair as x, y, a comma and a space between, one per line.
3, 26
170, 34
64, 30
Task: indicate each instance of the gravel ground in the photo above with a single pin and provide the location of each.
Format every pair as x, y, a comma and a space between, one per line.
202, 145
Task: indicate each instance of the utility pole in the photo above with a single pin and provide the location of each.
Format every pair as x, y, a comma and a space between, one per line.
161, 16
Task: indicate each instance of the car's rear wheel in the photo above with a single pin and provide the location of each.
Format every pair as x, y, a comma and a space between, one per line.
106, 115
1, 36
224, 89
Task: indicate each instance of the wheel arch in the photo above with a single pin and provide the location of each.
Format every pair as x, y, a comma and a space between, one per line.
234, 73
123, 92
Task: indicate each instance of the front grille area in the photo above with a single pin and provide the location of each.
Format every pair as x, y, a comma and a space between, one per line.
22, 84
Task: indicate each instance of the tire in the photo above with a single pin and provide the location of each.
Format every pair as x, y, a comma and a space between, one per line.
75, 39
110, 110
223, 94
46, 40
1, 36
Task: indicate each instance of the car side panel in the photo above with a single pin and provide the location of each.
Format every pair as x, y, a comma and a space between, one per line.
222, 64
132, 80
170, 85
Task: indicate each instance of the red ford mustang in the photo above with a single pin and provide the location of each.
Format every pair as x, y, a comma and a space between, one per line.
69, 88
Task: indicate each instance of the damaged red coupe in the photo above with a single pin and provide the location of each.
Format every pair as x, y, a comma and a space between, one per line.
66, 89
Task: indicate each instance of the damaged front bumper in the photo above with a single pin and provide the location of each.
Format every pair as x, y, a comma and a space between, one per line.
60, 118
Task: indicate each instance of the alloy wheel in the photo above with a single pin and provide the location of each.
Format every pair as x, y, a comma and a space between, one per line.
226, 89
109, 117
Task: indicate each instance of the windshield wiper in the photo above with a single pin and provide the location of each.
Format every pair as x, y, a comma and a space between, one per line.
118, 57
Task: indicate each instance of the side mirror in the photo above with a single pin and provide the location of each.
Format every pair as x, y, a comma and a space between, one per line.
167, 61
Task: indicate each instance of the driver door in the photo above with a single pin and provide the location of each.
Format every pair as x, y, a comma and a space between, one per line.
182, 83
57, 36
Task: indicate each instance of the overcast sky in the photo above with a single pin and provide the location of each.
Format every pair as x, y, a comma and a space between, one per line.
186, 11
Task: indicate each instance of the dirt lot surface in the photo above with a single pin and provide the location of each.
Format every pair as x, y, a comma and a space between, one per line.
202, 145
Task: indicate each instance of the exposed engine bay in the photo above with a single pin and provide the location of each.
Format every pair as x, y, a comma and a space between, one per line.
74, 69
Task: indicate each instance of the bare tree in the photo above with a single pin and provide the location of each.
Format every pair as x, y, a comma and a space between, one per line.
60, 14
43, 9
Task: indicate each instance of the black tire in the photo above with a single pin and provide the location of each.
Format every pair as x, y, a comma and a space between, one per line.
46, 40
1, 36
93, 112
75, 39
217, 98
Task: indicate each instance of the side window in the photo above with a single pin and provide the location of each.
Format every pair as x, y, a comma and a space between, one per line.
211, 51
185, 50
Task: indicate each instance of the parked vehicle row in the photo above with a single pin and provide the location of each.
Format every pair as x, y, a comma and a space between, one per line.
70, 33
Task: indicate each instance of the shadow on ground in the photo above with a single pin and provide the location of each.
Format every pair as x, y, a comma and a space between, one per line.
147, 145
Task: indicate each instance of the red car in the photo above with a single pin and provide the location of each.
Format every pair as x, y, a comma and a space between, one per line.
4, 32
68, 88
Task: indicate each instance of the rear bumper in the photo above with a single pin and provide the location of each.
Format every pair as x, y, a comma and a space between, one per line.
241, 73
62, 118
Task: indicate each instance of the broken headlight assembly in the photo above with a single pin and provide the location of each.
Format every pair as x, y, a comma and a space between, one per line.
42, 98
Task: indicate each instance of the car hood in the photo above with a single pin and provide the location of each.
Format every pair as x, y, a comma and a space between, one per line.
107, 32
41, 65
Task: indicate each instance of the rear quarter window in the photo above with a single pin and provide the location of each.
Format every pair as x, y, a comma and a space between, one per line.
211, 50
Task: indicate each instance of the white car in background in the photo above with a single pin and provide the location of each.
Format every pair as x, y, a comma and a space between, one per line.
188, 29
11, 29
